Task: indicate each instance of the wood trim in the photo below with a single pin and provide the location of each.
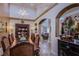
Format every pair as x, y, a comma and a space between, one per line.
66, 9
15, 18
61, 13
21, 19
42, 21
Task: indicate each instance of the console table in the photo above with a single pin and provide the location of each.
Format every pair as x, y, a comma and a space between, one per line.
66, 48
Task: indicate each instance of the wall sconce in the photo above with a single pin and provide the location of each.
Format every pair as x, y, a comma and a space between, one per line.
35, 24
35, 27
22, 21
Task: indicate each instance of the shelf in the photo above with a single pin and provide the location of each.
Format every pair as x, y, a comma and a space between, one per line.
22, 28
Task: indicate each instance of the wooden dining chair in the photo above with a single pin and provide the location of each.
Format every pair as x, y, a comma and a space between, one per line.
37, 39
22, 49
5, 45
11, 38
33, 37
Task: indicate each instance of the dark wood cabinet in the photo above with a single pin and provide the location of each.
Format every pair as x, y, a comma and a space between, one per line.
67, 49
19, 28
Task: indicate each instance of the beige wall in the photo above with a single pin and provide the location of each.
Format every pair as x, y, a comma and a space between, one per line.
13, 22
4, 20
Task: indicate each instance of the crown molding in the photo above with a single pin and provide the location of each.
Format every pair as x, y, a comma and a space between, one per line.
46, 11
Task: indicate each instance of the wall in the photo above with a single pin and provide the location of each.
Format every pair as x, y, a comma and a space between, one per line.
52, 15
13, 22
4, 10
3, 20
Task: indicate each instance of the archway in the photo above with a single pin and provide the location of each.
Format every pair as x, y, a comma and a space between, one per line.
45, 33
61, 13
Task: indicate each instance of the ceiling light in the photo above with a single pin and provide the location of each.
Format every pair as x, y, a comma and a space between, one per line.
23, 12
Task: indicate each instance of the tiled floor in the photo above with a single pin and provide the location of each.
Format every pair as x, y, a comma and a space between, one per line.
44, 48
1, 51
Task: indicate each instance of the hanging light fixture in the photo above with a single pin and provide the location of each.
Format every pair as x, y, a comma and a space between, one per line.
23, 12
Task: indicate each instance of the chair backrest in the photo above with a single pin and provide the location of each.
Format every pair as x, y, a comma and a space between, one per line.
11, 38
37, 39
5, 43
33, 37
22, 49
3, 46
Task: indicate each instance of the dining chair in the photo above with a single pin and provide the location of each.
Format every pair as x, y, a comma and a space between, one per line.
11, 38
22, 49
37, 39
5, 45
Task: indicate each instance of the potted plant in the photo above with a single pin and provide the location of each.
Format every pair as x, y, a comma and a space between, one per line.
69, 22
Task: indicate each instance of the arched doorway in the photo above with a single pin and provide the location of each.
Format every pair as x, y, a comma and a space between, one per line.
45, 33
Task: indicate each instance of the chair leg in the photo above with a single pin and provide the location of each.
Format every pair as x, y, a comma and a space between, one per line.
36, 53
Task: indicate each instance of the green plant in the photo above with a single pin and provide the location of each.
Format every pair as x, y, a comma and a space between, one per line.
70, 22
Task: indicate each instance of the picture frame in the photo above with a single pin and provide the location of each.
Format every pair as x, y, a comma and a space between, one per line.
3, 27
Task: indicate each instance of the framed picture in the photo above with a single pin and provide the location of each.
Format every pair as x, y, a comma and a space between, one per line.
3, 27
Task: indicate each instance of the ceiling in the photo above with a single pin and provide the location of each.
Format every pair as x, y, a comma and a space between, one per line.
24, 10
